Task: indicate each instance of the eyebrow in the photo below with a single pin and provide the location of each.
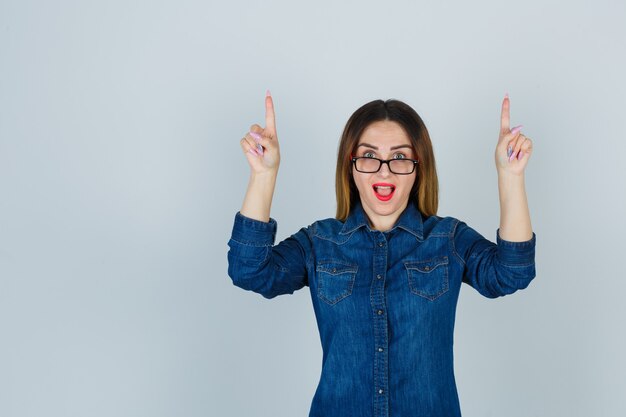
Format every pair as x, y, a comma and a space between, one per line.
392, 148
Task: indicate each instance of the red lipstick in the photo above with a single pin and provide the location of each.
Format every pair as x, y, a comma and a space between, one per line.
384, 188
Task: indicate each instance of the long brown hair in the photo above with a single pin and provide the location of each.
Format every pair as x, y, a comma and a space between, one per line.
425, 191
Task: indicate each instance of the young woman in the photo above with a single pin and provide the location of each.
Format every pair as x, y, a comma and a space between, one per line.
385, 274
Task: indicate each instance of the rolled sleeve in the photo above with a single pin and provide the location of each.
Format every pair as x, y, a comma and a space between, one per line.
494, 269
253, 232
256, 264
516, 253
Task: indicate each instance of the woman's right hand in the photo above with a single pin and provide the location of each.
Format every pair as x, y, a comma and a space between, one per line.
261, 145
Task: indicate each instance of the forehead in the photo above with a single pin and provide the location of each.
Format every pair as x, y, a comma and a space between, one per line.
384, 134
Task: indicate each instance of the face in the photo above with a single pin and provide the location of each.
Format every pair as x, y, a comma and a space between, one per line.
384, 195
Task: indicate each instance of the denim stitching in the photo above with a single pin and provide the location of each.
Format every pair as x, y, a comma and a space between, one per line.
325, 267
451, 235
251, 243
439, 262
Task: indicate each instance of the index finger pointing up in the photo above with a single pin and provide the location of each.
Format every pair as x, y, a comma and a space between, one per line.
504, 118
270, 119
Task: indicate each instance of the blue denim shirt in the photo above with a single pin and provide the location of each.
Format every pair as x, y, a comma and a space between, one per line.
384, 302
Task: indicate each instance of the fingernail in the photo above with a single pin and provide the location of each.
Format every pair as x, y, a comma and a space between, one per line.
255, 135
267, 93
511, 157
252, 151
516, 129
519, 155
506, 95
509, 152
259, 149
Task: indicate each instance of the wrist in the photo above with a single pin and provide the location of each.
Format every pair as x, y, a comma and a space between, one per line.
269, 175
510, 176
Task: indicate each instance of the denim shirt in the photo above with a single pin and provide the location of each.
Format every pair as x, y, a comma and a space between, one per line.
384, 302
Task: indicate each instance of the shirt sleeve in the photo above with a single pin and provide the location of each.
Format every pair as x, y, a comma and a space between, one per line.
494, 269
256, 264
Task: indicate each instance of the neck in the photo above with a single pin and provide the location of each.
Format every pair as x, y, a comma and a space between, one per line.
383, 223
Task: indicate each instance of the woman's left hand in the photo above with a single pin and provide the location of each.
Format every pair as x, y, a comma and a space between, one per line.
511, 143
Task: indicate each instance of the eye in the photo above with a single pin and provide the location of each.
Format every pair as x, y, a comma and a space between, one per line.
399, 156
368, 154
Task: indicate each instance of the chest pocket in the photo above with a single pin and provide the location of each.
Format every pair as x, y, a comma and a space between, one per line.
429, 278
335, 280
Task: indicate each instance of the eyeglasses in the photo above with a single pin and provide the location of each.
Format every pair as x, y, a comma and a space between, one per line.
397, 166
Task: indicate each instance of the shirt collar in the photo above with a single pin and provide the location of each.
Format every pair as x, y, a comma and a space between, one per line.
410, 220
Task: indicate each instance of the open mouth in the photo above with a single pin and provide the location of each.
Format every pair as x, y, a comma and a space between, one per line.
383, 191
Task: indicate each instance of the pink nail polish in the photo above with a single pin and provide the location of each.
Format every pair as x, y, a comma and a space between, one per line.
506, 95
252, 151
511, 157
519, 156
256, 136
516, 129
267, 93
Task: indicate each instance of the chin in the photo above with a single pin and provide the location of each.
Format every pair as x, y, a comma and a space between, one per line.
387, 208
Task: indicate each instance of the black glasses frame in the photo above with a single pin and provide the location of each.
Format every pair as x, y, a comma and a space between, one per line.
384, 161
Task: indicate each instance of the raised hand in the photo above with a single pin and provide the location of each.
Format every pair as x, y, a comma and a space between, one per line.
513, 149
260, 145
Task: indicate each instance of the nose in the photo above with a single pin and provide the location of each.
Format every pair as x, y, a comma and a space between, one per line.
384, 170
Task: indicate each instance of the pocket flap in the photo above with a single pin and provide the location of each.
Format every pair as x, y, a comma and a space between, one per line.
336, 267
428, 265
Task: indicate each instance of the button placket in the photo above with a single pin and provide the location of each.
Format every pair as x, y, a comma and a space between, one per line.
381, 337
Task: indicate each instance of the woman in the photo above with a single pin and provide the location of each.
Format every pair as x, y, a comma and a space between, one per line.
385, 274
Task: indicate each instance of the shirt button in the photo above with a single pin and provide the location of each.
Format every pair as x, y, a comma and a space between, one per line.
380, 349
380, 391
379, 276
380, 312
427, 268
381, 244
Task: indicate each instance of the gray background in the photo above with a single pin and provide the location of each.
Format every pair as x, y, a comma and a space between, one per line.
121, 173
